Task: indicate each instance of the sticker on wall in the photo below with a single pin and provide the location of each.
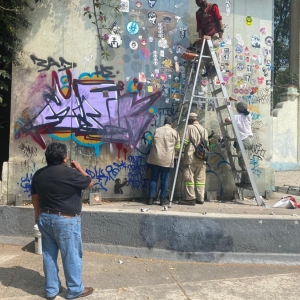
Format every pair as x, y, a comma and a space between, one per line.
249, 69
133, 45
144, 53
133, 27
124, 6
152, 3
138, 4
114, 40
239, 57
268, 82
160, 30
239, 39
260, 80
265, 71
247, 78
240, 67
263, 31
162, 43
249, 20
143, 42
239, 49
222, 44
142, 77
167, 19
152, 17
167, 63
228, 7
269, 41
255, 41
246, 51
228, 40
182, 33
151, 39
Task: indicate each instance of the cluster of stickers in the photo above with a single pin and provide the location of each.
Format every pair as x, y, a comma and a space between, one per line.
166, 73
252, 67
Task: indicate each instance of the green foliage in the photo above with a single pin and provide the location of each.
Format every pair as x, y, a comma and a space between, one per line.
12, 18
282, 76
100, 12
281, 35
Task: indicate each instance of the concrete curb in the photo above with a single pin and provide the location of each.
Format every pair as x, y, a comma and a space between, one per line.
212, 257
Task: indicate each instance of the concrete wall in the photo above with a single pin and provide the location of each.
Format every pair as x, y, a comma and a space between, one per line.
286, 136
60, 92
174, 236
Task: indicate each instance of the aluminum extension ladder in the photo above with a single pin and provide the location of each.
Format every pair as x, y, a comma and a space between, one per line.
195, 68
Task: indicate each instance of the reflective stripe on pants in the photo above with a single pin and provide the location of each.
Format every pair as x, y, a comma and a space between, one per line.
194, 181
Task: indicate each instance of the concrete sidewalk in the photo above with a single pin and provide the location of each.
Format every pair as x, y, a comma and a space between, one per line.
21, 277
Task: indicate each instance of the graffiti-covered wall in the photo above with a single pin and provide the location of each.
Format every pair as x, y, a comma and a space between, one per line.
106, 110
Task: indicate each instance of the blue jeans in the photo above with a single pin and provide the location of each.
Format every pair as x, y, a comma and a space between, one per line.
64, 234
164, 177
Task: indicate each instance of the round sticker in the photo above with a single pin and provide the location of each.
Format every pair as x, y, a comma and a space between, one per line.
269, 41
144, 53
114, 40
239, 49
133, 45
138, 4
240, 67
133, 27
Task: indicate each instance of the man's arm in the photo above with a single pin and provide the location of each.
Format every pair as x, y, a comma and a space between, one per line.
36, 206
77, 166
218, 17
177, 142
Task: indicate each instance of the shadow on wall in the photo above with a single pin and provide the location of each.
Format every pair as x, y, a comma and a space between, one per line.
185, 235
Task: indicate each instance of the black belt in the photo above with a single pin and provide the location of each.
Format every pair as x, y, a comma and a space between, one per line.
59, 213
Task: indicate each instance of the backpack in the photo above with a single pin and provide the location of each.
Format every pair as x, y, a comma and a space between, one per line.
201, 150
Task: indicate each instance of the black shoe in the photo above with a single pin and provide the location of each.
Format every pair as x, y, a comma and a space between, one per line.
243, 185
150, 201
187, 202
199, 202
164, 201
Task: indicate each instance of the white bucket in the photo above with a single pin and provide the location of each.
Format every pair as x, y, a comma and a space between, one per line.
37, 240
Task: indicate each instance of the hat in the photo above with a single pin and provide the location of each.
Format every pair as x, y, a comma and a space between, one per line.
193, 116
241, 106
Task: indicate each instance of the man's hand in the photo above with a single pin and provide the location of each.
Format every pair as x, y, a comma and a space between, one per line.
227, 120
207, 37
76, 165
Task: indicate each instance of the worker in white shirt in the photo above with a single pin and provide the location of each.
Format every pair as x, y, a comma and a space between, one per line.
243, 120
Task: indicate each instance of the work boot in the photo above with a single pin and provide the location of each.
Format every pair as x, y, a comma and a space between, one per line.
150, 201
187, 202
164, 201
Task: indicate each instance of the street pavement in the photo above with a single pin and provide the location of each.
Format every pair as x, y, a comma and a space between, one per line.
117, 277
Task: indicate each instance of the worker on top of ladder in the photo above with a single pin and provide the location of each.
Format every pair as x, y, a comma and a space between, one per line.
243, 120
209, 26
194, 172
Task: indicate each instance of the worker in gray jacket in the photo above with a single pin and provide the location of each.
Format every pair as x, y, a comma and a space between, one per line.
166, 141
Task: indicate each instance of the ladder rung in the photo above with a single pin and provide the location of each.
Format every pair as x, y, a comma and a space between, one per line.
240, 171
221, 107
234, 155
226, 123
229, 139
217, 91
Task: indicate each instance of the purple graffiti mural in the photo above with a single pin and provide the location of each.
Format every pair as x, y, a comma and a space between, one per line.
93, 109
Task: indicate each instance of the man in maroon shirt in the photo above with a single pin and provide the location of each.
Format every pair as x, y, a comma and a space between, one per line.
209, 27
